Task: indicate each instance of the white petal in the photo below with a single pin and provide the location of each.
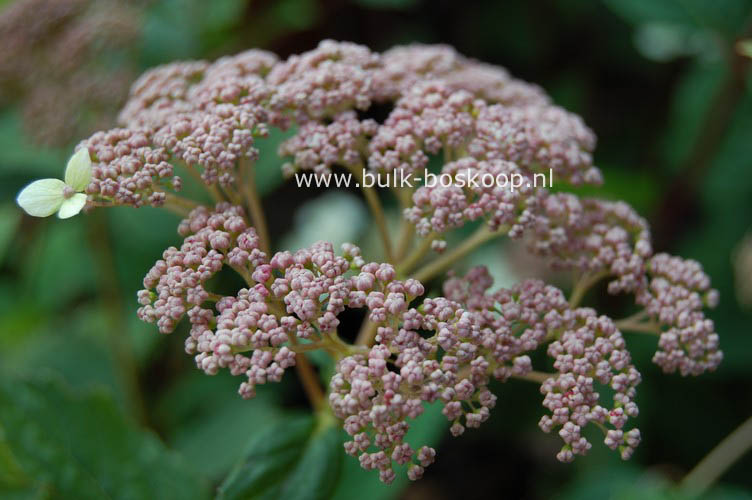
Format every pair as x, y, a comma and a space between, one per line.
42, 198
78, 171
72, 206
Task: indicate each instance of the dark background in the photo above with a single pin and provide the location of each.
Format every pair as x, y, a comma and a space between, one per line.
660, 82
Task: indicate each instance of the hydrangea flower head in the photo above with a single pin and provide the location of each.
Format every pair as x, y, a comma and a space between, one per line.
417, 346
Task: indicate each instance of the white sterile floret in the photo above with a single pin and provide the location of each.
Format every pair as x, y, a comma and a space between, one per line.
44, 197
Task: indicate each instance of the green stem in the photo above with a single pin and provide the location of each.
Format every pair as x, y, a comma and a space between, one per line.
253, 204
366, 333
412, 260
586, 281
537, 377
717, 462
308, 378
628, 325
636, 317
374, 204
179, 205
481, 236
407, 230
213, 192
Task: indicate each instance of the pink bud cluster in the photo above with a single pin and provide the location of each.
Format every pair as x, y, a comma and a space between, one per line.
443, 350
590, 352
538, 139
127, 169
677, 293
403, 66
173, 89
594, 236
334, 77
175, 284
207, 115
442, 207
482, 335
296, 298
161, 93
318, 147
429, 117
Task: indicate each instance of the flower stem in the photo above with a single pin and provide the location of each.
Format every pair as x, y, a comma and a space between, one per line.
481, 236
638, 316
409, 263
407, 232
366, 333
179, 205
214, 193
253, 204
308, 378
374, 204
537, 377
407, 229
717, 462
586, 281
638, 326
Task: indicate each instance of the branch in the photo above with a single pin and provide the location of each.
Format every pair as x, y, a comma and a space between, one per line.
310, 381
407, 230
717, 462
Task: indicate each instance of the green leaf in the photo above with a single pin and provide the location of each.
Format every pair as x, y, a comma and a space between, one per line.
294, 458
691, 102
725, 17
209, 424
58, 265
67, 444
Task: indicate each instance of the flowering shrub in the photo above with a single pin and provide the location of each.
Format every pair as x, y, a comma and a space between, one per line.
413, 348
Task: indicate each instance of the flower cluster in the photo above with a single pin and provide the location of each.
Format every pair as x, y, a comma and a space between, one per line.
538, 139
414, 349
590, 351
127, 169
318, 147
593, 236
175, 284
428, 117
440, 207
206, 116
406, 65
675, 296
322, 83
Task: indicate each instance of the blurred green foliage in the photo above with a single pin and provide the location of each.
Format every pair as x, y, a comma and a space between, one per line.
95, 404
